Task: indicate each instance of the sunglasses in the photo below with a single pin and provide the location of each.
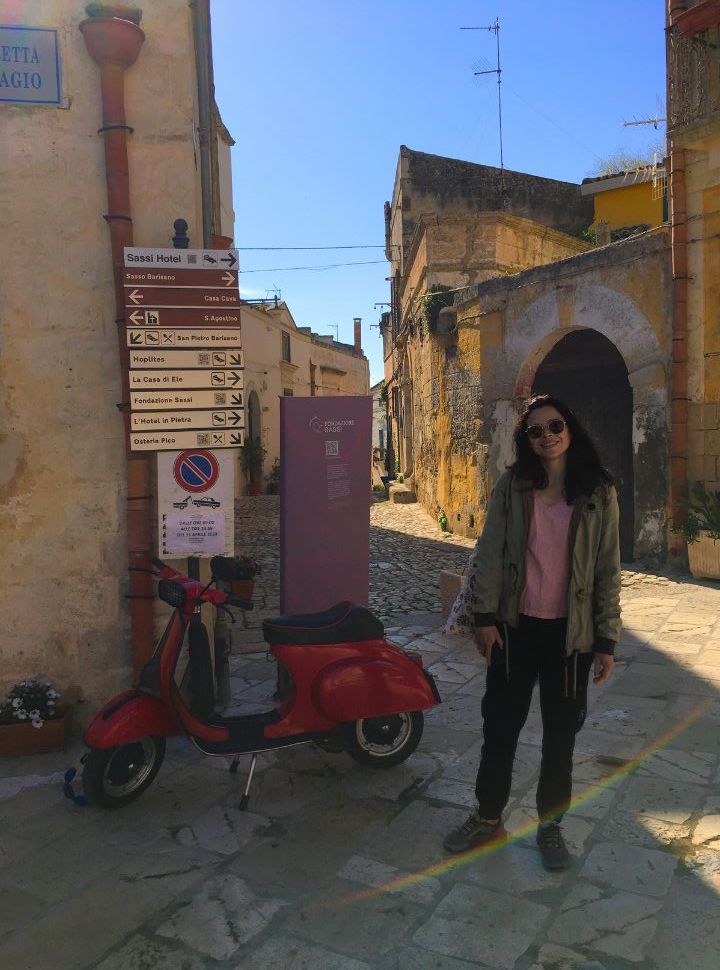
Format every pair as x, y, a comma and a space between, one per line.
535, 431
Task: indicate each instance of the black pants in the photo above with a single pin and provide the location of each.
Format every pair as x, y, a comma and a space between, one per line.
536, 652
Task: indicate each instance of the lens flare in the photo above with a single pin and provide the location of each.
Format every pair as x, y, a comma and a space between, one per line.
627, 767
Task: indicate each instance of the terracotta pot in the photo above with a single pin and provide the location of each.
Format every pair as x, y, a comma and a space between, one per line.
110, 40
254, 488
704, 557
243, 588
22, 738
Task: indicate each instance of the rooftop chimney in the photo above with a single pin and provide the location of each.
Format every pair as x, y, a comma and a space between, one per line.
358, 334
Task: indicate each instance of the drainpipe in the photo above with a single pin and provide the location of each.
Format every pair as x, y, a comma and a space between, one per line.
679, 381
114, 45
203, 65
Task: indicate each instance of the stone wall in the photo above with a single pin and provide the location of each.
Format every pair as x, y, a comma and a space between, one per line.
473, 382
62, 448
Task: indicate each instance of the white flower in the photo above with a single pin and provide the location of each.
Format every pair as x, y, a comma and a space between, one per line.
16, 702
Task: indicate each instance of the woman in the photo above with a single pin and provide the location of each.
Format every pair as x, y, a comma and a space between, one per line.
546, 608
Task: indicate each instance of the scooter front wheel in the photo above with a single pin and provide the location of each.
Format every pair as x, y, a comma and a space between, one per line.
113, 777
383, 742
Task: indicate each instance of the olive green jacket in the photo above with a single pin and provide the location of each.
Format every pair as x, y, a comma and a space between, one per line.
593, 621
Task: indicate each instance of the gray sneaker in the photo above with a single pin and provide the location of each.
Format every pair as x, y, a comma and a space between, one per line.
554, 852
474, 832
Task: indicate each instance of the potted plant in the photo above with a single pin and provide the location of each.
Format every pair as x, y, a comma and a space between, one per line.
701, 531
118, 10
273, 478
244, 570
252, 455
31, 720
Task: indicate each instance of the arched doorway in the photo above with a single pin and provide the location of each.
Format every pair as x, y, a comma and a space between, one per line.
587, 371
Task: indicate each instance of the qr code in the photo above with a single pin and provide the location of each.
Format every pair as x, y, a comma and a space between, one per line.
191, 258
331, 447
204, 440
220, 397
204, 359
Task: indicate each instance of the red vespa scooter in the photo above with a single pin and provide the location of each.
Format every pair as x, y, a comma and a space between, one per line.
341, 684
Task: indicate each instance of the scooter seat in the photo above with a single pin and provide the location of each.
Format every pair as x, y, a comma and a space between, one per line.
343, 623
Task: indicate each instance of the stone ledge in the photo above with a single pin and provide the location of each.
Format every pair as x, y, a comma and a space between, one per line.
401, 494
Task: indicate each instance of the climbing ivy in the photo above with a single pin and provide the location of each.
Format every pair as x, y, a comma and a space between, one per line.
435, 299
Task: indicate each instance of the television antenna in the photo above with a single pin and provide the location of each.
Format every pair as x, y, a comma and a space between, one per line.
495, 28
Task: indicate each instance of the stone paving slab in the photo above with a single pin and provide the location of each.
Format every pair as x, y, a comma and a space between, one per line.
338, 867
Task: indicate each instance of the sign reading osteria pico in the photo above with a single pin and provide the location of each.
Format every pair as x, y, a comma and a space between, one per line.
29, 65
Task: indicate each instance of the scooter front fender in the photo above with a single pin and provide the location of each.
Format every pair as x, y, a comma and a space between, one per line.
128, 717
355, 688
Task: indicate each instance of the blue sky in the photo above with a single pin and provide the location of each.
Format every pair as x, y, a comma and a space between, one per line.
320, 94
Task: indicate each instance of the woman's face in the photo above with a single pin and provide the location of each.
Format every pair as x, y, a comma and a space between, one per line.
553, 442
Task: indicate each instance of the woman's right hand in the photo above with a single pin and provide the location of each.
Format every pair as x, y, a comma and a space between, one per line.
485, 639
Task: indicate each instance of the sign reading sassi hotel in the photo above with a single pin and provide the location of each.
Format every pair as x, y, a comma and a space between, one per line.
29, 65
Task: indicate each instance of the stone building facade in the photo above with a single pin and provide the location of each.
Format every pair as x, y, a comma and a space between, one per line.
693, 37
63, 478
544, 311
282, 359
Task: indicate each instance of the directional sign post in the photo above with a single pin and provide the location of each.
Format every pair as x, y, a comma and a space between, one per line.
185, 349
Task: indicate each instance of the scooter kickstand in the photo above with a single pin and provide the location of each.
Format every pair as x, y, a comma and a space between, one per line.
246, 794
234, 765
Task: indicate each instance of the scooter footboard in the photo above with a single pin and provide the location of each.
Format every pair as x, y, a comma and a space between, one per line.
351, 689
129, 717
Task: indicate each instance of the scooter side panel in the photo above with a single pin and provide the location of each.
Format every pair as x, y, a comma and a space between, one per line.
355, 688
128, 717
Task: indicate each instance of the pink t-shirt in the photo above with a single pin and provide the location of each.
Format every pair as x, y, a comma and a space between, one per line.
547, 561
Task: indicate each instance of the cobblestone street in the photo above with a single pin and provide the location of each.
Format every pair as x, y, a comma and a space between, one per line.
339, 867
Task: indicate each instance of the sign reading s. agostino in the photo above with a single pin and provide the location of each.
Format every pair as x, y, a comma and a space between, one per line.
29, 65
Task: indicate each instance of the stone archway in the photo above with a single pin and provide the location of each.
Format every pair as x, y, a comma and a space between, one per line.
529, 338
254, 420
587, 371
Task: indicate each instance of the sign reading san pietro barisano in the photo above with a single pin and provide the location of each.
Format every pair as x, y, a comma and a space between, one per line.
29, 65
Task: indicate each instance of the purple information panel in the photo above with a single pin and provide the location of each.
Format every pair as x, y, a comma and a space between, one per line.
325, 451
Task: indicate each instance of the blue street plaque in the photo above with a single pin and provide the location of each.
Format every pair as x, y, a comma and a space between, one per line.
29, 65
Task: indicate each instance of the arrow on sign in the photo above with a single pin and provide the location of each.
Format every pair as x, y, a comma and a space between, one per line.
234, 378
137, 318
236, 400
229, 259
228, 279
136, 296
236, 360
136, 337
235, 438
234, 417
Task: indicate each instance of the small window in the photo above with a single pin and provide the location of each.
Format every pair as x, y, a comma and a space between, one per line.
287, 392
286, 347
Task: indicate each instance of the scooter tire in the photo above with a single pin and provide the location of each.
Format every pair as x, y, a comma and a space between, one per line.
114, 777
383, 742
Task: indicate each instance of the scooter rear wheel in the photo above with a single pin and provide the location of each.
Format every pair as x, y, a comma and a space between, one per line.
383, 742
113, 777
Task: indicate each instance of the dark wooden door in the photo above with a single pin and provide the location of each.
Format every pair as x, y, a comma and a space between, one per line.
587, 371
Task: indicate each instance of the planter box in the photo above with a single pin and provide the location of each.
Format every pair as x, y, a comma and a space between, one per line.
22, 738
704, 557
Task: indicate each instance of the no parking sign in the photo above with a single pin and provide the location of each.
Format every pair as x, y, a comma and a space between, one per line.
196, 503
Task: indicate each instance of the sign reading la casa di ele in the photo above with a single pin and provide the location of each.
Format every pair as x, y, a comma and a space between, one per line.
29, 65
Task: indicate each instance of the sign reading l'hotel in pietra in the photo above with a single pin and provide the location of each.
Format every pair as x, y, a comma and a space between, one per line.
29, 65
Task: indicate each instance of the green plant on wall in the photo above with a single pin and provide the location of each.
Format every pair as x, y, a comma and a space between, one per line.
114, 10
437, 297
703, 514
252, 455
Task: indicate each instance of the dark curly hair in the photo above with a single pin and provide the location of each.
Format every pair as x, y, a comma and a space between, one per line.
584, 471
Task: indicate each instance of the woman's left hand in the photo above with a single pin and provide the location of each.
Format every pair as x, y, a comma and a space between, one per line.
603, 664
